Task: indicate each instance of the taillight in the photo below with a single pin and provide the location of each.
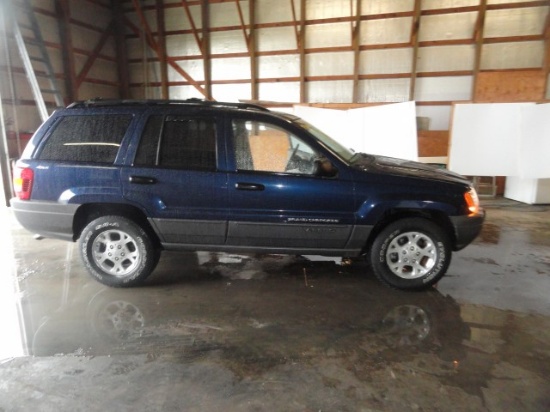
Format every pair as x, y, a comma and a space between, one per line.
22, 182
472, 200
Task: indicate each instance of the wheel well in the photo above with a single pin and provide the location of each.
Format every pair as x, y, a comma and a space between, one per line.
393, 215
88, 212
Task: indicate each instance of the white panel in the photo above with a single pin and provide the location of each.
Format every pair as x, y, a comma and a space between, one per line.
193, 68
518, 22
231, 92
90, 91
84, 10
384, 90
175, 18
328, 35
227, 42
386, 61
334, 123
385, 6
386, 31
134, 48
279, 66
532, 191
485, 139
48, 27
231, 69
279, 92
337, 91
320, 64
370, 130
535, 141
104, 70
322, 9
184, 92
445, 58
226, 14
548, 88
389, 130
443, 4
447, 26
276, 38
182, 45
443, 88
439, 116
271, 11
519, 55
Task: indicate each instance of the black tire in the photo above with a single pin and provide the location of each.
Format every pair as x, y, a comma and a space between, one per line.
411, 254
117, 252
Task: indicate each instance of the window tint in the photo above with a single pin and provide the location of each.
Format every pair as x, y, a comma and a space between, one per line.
185, 143
264, 147
93, 139
148, 146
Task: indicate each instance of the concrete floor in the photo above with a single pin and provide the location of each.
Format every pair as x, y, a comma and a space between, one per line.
269, 333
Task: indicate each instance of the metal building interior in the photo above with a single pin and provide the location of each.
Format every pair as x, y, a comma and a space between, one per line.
213, 332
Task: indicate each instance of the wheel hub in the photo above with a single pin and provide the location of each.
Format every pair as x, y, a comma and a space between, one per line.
411, 255
116, 252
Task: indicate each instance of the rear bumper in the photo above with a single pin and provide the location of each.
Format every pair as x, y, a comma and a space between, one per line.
49, 219
467, 228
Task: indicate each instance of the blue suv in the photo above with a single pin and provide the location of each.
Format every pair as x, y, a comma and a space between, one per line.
128, 179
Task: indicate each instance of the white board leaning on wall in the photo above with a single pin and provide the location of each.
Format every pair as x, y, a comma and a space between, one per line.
388, 130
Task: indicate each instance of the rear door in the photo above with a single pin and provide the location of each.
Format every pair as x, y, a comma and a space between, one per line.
175, 177
278, 198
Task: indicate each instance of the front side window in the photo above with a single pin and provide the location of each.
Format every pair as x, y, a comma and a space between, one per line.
264, 147
178, 142
89, 139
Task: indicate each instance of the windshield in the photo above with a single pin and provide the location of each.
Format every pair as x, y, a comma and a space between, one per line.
341, 151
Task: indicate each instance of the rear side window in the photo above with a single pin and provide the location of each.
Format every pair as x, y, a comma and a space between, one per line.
178, 142
90, 139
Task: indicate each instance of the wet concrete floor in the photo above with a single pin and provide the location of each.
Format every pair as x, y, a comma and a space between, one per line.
217, 332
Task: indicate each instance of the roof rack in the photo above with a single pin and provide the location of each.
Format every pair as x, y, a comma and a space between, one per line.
98, 102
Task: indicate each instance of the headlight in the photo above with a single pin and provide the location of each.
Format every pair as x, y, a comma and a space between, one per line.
472, 200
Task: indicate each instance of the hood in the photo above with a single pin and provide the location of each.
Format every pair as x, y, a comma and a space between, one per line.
407, 168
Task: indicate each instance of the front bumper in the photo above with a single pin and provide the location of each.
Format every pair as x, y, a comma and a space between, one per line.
467, 228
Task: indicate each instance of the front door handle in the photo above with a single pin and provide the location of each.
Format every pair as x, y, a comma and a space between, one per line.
142, 180
249, 186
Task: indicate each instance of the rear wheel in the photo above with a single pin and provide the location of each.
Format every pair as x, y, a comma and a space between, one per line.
412, 253
117, 251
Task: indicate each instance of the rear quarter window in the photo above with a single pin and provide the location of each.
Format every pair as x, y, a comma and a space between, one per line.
87, 139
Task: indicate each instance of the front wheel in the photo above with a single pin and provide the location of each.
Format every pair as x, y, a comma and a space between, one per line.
411, 254
117, 252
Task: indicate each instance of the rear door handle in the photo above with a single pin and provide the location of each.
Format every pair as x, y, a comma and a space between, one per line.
142, 180
249, 186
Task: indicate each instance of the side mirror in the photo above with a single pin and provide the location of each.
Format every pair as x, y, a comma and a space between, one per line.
325, 168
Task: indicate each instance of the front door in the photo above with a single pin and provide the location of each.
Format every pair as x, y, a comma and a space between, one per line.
279, 197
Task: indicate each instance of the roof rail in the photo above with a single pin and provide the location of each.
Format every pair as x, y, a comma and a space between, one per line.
98, 102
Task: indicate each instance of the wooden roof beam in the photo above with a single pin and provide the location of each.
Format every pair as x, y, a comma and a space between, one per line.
478, 39
415, 29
